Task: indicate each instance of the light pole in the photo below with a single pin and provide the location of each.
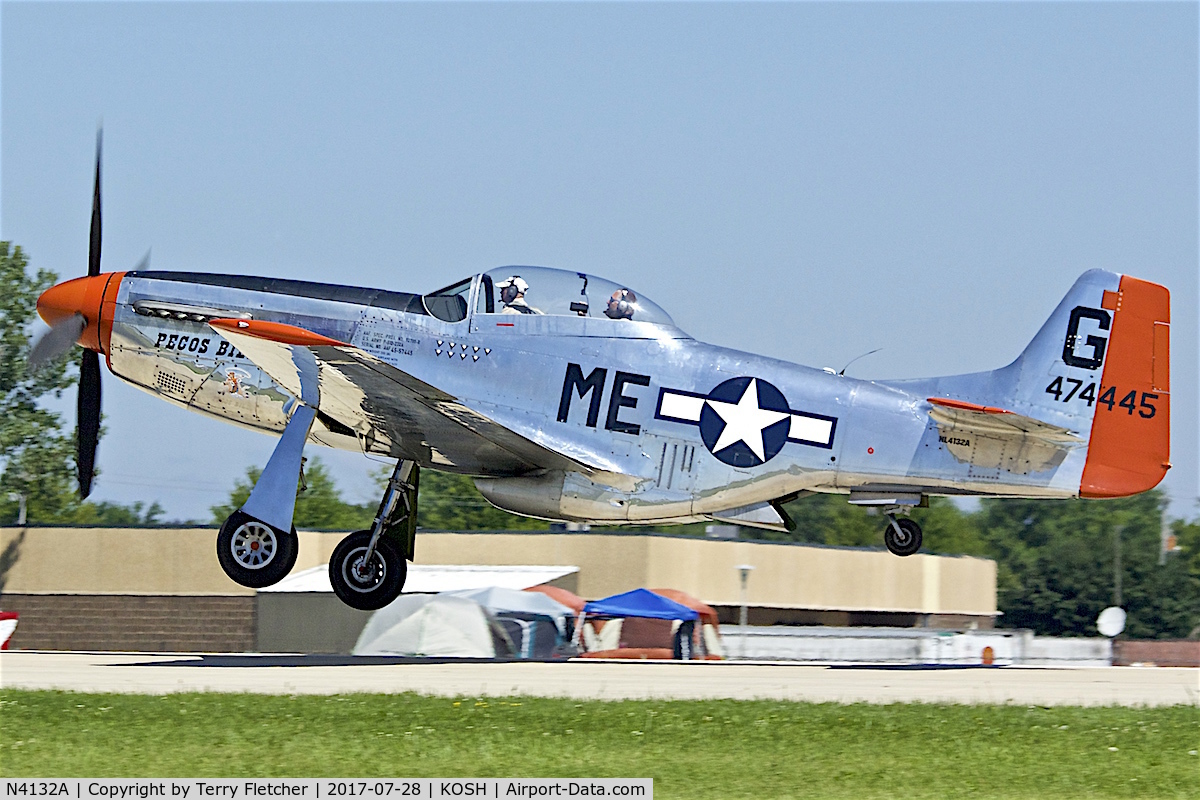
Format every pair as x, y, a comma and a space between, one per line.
20, 498
743, 616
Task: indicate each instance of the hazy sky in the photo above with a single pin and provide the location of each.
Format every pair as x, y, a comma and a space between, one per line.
808, 181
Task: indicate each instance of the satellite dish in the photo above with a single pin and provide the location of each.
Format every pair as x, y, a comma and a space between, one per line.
1111, 621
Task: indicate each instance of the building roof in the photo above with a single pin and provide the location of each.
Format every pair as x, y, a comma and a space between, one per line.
437, 578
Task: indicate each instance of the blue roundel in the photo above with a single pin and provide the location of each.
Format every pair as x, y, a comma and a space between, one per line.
745, 422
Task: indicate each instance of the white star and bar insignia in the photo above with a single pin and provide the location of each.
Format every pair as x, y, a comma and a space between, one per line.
742, 420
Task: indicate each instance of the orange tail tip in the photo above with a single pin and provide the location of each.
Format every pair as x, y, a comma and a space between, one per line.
1130, 446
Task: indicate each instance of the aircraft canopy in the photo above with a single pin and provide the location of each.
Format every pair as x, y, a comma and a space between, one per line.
544, 291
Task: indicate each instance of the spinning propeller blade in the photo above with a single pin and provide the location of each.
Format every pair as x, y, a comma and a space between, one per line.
74, 310
87, 434
87, 409
54, 342
94, 243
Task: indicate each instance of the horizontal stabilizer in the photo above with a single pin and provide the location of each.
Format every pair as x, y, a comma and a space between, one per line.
993, 438
991, 421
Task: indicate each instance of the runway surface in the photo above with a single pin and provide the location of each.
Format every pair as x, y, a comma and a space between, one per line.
164, 673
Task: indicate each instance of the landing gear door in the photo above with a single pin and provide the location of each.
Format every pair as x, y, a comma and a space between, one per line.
401, 524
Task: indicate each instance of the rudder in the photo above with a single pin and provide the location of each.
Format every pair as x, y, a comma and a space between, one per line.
1130, 443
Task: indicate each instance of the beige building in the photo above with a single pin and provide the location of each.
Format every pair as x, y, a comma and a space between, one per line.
162, 589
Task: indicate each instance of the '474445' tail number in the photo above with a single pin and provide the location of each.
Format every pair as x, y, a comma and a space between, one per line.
1075, 390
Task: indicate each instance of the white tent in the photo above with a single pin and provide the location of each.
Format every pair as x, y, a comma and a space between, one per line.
499, 600
428, 625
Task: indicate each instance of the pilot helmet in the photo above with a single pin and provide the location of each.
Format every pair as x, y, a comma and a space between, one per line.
621, 304
516, 282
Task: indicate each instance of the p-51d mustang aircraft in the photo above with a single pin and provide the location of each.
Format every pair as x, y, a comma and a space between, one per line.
569, 397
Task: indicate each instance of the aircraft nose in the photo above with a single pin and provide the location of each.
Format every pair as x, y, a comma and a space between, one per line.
86, 296
71, 297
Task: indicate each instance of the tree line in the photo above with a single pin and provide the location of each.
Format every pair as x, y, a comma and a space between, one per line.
1058, 561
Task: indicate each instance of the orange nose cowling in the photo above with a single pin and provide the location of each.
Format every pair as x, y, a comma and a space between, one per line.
94, 297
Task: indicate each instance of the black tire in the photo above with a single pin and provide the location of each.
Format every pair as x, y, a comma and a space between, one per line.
907, 541
253, 553
386, 578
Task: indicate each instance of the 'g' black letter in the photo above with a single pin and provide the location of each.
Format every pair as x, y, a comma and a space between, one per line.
1097, 343
593, 383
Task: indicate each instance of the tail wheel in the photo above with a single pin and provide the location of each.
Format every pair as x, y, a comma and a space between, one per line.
362, 584
902, 536
253, 553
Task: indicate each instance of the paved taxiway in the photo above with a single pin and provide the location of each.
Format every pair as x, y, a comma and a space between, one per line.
163, 673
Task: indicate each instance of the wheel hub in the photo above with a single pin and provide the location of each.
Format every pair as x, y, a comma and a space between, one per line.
253, 545
362, 570
362, 575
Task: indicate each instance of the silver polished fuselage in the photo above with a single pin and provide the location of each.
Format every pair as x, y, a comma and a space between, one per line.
646, 465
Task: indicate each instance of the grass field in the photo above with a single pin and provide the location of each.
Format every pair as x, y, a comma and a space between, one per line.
715, 749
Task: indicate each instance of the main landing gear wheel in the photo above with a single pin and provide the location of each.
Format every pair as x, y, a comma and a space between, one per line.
902, 536
367, 585
253, 553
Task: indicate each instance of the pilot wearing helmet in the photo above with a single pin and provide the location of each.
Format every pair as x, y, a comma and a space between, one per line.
512, 294
621, 304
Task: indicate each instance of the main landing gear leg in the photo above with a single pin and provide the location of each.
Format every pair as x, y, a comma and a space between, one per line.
902, 536
368, 568
257, 545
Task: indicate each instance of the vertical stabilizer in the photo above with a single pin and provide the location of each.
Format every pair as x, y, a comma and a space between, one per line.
1098, 369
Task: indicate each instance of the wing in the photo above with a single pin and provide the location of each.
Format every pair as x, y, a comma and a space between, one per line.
991, 437
389, 410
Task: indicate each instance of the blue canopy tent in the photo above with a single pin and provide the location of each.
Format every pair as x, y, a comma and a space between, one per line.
646, 623
639, 603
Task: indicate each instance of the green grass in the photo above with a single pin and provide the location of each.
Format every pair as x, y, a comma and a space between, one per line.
716, 749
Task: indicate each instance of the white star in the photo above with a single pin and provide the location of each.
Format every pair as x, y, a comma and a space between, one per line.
745, 421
